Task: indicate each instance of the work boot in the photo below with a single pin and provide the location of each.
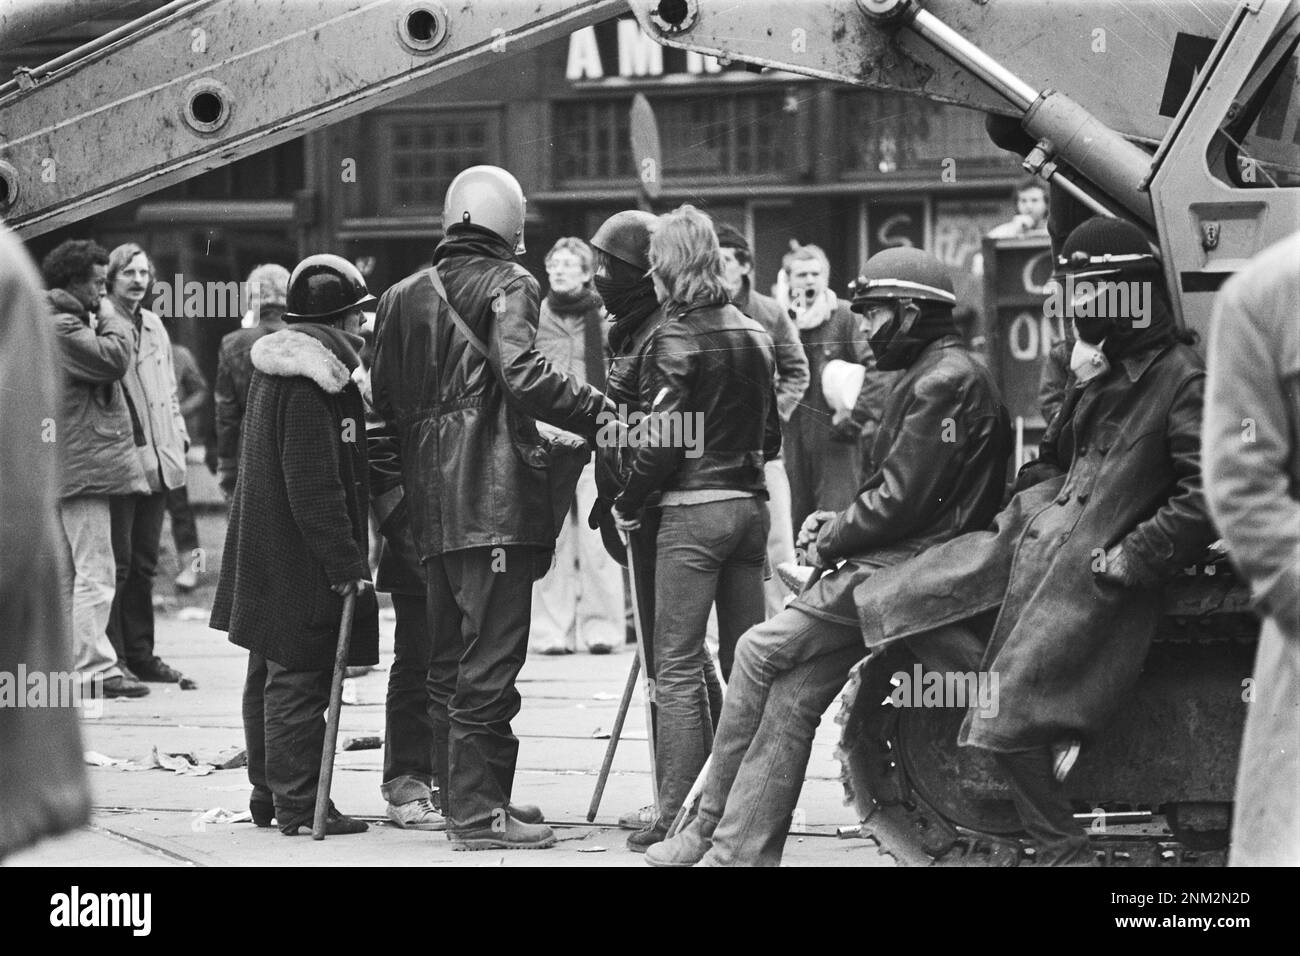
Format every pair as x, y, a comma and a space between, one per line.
262, 811
336, 824
685, 849
416, 814
514, 835
638, 819
526, 813
156, 671
119, 685
642, 840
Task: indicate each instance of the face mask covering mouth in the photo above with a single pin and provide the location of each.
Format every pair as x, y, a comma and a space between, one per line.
1088, 361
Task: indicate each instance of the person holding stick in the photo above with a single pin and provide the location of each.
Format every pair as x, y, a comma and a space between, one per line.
296, 542
711, 426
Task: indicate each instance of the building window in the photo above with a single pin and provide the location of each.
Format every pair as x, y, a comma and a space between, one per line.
736, 134
592, 140
423, 156
741, 134
884, 133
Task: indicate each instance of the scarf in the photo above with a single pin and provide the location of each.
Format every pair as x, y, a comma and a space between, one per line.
582, 301
630, 298
345, 346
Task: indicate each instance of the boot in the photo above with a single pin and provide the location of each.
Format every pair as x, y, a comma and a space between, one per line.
513, 835
685, 849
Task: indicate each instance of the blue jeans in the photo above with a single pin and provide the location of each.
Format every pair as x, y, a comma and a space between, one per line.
787, 671
706, 553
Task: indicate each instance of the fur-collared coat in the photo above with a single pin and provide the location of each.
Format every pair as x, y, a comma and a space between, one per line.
298, 518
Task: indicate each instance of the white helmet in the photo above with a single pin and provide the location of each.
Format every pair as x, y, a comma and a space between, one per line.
489, 197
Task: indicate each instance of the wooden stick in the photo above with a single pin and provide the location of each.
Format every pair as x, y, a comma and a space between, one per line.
332, 718
647, 682
614, 736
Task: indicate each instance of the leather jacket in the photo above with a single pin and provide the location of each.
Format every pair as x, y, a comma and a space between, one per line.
707, 378
943, 444
473, 465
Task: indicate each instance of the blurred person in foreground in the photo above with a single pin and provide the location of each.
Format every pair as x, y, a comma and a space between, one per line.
582, 594
297, 539
1251, 451
96, 442
791, 384
713, 424
43, 786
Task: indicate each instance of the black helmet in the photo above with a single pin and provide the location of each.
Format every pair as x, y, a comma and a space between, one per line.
626, 235
1102, 247
324, 287
902, 272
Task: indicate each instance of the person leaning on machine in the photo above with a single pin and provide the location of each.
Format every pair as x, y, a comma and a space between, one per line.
926, 490
296, 542
1074, 564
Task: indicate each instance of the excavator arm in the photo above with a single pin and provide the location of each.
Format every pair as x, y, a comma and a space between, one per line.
198, 84
1134, 108
1125, 104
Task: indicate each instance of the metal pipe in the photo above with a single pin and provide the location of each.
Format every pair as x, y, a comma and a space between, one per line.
22, 22
948, 41
94, 46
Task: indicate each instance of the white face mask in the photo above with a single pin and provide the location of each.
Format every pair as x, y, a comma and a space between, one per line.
1088, 361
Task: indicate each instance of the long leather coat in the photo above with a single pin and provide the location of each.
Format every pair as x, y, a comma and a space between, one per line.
473, 465
1122, 468
943, 444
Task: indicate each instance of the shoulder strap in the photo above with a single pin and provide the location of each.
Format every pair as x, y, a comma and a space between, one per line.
465, 330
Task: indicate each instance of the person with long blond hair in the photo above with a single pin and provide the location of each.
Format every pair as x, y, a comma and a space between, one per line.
712, 424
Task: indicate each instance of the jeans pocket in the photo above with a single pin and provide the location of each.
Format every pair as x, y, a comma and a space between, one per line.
710, 525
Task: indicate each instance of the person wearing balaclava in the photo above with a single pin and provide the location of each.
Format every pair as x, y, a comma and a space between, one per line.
622, 245
1110, 511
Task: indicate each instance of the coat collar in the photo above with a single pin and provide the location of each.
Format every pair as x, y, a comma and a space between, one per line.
1137, 365
287, 353
65, 302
